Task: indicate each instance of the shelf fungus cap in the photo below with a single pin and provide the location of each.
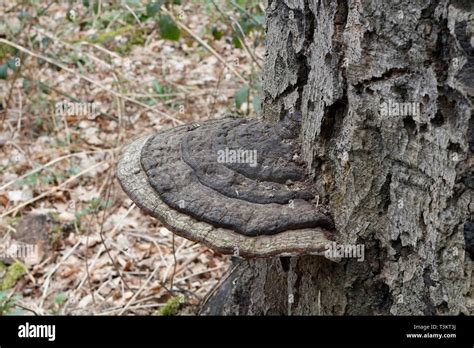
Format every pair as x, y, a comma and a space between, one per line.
232, 184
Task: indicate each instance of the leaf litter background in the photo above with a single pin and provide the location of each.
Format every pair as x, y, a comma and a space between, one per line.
145, 66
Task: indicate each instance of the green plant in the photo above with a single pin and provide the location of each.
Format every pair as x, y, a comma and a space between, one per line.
7, 303
93, 206
242, 24
172, 306
59, 300
12, 274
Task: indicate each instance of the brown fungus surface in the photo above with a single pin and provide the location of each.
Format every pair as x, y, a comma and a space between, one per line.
244, 192
229, 183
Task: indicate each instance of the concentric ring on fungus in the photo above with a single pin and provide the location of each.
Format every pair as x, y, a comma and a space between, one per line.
256, 201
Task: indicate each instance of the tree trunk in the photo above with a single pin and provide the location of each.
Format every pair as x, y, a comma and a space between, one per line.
400, 183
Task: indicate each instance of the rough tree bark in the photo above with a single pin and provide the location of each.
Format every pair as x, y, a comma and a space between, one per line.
400, 185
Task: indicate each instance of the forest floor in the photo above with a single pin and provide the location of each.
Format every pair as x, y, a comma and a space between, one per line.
77, 83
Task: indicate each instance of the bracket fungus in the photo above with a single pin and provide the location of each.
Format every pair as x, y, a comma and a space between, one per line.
233, 184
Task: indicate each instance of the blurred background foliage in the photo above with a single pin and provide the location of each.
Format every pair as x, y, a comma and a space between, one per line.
120, 25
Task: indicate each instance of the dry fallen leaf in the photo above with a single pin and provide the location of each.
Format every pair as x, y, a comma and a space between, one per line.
4, 200
68, 271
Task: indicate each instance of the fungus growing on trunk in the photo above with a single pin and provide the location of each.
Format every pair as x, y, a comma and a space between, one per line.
233, 184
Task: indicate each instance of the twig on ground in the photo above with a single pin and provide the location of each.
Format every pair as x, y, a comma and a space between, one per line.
54, 189
174, 262
101, 232
50, 274
88, 79
204, 44
139, 290
233, 23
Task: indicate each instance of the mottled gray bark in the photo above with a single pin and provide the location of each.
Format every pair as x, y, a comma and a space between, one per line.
400, 185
